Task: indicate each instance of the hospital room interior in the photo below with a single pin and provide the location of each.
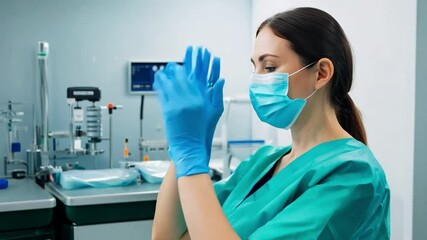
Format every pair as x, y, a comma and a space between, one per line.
84, 140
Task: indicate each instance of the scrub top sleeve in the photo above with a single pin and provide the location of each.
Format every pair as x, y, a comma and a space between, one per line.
347, 204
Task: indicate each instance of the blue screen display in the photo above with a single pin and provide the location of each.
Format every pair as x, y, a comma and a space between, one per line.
142, 75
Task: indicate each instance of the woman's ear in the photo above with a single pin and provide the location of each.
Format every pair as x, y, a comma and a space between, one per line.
325, 69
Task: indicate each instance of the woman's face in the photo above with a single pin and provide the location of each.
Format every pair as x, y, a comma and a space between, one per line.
274, 54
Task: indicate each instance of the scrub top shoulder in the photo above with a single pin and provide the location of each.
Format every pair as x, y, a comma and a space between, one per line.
336, 190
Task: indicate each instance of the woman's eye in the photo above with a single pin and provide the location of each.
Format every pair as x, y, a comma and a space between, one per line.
270, 69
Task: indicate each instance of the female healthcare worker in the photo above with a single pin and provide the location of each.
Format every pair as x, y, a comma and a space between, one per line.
326, 185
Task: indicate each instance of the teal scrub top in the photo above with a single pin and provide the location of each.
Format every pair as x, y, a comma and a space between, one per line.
336, 190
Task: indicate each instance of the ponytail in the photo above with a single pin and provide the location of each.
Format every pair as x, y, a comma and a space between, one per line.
350, 118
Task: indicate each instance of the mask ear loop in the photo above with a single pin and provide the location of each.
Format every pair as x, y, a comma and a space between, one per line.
309, 96
309, 65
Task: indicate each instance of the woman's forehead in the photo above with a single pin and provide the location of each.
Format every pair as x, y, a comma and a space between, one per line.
269, 43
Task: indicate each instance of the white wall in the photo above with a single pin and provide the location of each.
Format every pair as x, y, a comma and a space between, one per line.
420, 164
382, 34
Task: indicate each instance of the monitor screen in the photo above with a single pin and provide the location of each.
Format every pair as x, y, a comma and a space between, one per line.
141, 76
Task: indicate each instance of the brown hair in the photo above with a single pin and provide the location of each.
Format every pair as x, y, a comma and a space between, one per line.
314, 34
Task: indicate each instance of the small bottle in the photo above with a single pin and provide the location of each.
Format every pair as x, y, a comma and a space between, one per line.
126, 150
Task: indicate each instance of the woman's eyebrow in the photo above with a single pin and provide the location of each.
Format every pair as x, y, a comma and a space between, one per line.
261, 58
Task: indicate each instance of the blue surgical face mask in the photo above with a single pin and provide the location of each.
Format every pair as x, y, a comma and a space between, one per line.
269, 98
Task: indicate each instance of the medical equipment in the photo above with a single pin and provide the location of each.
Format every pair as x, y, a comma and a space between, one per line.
43, 96
100, 178
141, 76
93, 120
126, 150
12, 118
89, 117
152, 171
111, 108
38, 155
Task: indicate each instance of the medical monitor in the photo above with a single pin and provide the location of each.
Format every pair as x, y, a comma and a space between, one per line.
141, 76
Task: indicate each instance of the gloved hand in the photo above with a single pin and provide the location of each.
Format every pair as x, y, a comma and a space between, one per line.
192, 105
214, 93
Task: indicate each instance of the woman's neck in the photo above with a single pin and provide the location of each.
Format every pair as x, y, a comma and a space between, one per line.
321, 126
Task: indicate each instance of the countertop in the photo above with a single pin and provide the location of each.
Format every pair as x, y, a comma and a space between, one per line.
141, 191
24, 194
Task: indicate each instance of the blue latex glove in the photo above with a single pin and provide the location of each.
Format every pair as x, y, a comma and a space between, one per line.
192, 105
214, 93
